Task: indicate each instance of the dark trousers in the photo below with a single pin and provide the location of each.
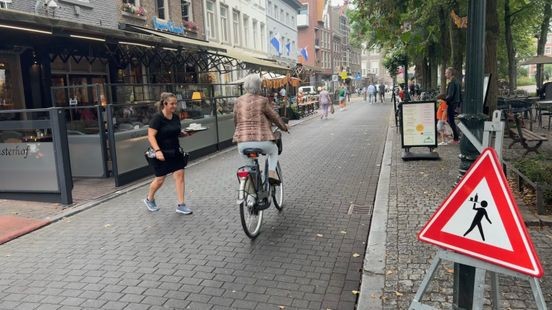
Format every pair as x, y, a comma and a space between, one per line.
451, 113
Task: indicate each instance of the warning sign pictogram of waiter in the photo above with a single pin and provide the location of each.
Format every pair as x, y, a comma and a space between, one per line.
479, 224
481, 212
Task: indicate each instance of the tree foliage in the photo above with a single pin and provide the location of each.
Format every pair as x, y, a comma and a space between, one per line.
414, 28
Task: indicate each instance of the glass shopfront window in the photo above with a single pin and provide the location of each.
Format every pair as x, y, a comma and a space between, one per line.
79, 83
11, 89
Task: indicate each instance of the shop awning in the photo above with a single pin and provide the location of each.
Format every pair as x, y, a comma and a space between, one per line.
254, 62
224, 51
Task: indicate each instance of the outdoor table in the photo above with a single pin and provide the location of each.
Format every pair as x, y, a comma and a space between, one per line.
519, 105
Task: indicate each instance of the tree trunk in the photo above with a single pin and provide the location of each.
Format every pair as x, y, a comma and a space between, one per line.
491, 34
445, 48
543, 34
433, 68
458, 42
510, 48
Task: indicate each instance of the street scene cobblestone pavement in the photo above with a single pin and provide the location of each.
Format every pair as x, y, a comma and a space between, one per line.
417, 188
117, 255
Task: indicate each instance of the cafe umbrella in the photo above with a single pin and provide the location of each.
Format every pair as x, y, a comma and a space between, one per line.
537, 60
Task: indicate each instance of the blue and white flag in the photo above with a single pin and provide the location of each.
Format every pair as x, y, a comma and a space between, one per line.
304, 53
276, 43
288, 47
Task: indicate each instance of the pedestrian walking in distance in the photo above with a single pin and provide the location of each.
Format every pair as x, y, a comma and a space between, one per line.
382, 92
163, 133
253, 118
325, 102
342, 93
371, 93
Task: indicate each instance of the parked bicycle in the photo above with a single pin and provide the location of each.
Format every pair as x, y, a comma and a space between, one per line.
256, 193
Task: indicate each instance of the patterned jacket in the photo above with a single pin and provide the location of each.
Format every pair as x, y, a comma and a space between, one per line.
253, 118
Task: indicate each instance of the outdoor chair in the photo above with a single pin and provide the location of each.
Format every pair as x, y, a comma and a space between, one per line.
545, 110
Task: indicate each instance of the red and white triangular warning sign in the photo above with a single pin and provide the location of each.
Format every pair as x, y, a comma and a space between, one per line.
480, 218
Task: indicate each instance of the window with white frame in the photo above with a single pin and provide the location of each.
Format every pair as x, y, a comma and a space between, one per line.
276, 12
548, 50
269, 9
288, 20
374, 67
255, 34
282, 16
186, 9
225, 27
211, 20
263, 37
245, 30
162, 7
236, 29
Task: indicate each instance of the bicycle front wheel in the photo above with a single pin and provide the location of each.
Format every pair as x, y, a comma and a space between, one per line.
251, 217
278, 190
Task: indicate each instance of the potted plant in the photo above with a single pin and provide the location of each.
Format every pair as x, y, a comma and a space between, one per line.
190, 26
133, 9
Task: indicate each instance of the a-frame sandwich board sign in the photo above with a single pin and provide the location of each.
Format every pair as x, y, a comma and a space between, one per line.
480, 218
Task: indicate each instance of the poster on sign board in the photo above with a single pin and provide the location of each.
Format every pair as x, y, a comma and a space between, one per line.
418, 127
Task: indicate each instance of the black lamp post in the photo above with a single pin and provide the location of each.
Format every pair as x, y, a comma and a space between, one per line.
473, 118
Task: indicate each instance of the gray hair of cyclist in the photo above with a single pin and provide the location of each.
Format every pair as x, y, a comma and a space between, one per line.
252, 84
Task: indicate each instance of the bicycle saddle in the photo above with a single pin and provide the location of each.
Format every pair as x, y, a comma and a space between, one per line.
253, 151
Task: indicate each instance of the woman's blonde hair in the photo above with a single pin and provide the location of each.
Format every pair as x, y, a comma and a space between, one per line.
163, 101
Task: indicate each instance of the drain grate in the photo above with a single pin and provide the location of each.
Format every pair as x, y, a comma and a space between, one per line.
359, 209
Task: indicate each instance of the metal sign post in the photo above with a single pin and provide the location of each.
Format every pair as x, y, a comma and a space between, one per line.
479, 289
496, 126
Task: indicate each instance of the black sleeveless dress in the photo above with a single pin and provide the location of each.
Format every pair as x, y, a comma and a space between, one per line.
168, 131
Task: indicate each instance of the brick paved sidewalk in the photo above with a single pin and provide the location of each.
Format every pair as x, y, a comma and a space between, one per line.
416, 190
119, 256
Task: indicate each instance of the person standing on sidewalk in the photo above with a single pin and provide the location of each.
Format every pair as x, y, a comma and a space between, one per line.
163, 133
382, 92
371, 93
442, 119
253, 118
325, 102
453, 99
342, 93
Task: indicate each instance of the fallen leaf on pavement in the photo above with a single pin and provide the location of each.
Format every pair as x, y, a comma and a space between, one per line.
356, 292
389, 271
450, 270
320, 235
343, 232
107, 225
356, 255
398, 293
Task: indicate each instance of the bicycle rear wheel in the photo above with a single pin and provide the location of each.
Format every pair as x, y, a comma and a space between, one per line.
278, 190
251, 218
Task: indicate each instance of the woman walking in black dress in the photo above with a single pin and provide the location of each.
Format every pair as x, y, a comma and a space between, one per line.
163, 133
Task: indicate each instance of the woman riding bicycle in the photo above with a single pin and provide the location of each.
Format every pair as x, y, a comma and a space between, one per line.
253, 118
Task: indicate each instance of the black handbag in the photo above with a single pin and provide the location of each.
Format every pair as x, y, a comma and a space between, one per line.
149, 154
